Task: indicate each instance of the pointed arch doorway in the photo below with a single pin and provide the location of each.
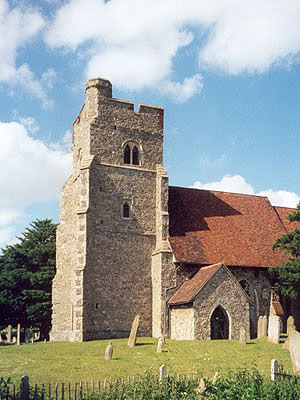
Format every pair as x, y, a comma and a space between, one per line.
219, 324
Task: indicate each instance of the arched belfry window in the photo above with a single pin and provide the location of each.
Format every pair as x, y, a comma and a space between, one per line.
135, 156
127, 154
126, 210
131, 154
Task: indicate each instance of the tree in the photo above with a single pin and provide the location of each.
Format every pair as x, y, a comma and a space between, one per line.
287, 278
26, 272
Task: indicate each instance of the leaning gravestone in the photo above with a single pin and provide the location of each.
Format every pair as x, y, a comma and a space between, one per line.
160, 345
294, 346
290, 324
108, 352
274, 329
243, 338
9, 334
133, 332
27, 335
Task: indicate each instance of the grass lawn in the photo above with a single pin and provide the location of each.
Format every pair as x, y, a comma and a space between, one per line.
69, 362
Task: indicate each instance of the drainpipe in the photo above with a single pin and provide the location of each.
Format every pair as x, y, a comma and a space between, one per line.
165, 300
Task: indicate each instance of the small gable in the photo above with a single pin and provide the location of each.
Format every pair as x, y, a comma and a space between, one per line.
190, 289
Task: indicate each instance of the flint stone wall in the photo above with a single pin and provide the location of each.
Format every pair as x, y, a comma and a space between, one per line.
221, 290
103, 274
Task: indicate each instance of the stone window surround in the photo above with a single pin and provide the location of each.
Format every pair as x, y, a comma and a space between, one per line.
129, 202
132, 143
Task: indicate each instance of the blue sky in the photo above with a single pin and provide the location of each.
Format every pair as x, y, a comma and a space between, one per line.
227, 74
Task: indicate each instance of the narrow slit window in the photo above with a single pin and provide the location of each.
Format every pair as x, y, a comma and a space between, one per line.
127, 154
135, 156
126, 210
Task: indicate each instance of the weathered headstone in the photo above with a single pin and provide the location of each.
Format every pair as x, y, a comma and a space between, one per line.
18, 334
14, 340
243, 338
159, 345
274, 329
162, 373
294, 346
27, 335
290, 324
260, 327
1, 340
9, 334
274, 370
265, 326
108, 352
133, 332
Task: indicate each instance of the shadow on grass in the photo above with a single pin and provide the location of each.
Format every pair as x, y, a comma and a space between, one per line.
144, 344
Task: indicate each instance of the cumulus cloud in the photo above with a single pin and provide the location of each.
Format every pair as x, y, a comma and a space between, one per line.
135, 42
237, 184
32, 172
18, 26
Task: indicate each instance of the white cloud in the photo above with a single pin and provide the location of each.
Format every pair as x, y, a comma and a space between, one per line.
30, 124
205, 161
237, 184
18, 26
31, 172
134, 42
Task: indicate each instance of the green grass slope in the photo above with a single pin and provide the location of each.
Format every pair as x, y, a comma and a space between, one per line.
69, 362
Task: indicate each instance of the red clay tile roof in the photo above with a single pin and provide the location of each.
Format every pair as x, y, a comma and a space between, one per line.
190, 288
208, 226
277, 308
283, 213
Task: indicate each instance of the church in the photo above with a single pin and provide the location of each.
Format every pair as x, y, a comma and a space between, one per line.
192, 263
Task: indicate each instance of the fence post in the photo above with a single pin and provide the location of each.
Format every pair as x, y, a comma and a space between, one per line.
274, 370
24, 387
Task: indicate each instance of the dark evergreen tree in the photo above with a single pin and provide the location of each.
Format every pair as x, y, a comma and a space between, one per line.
26, 272
287, 278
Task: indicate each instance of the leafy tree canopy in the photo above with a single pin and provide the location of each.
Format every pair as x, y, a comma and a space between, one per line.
288, 277
26, 272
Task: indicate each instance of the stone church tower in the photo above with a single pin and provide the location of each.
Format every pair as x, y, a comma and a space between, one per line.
113, 256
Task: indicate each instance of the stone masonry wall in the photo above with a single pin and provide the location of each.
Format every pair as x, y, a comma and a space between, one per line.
103, 259
259, 292
182, 323
221, 290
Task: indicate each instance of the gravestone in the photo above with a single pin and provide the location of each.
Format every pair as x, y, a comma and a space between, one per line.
162, 373
108, 352
18, 334
14, 340
243, 338
274, 329
294, 346
290, 324
259, 327
265, 326
27, 335
159, 345
9, 334
274, 370
133, 332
